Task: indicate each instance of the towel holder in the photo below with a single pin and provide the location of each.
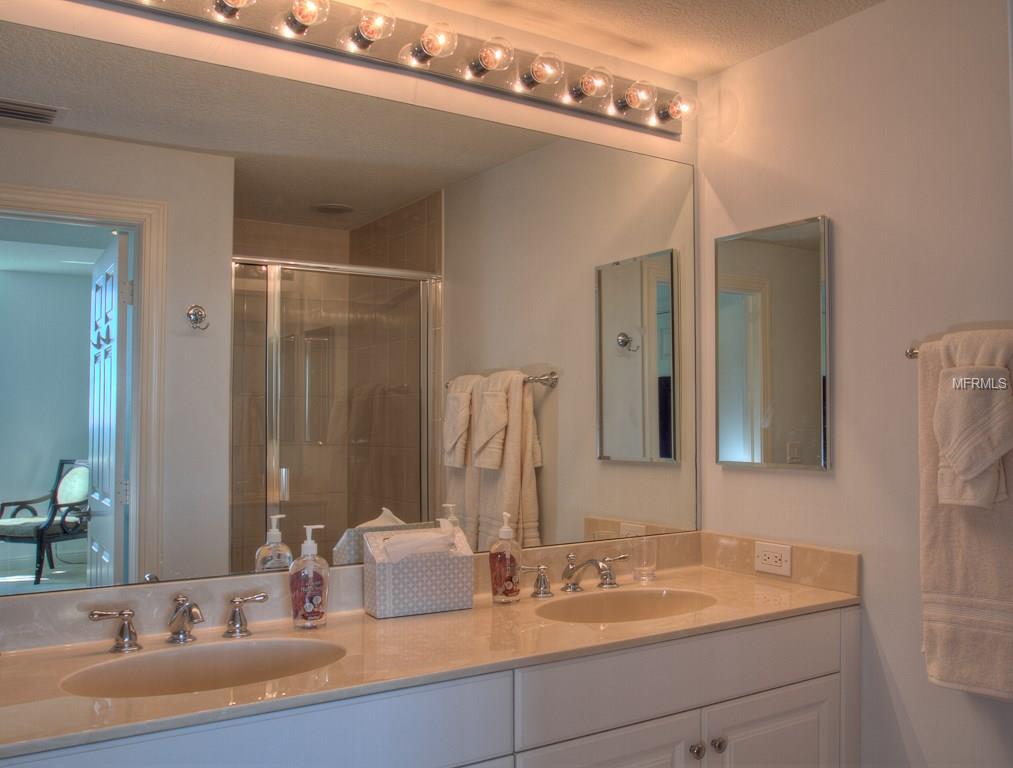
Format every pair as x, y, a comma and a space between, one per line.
911, 353
550, 380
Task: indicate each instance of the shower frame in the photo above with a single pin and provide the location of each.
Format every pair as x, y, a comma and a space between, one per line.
429, 289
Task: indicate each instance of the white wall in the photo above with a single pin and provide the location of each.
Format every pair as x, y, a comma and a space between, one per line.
198, 191
43, 378
895, 123
521, 244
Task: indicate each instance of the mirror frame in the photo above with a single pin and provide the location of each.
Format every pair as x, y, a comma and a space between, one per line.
673, 257
825, 348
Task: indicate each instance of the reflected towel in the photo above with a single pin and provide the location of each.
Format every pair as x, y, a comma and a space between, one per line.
491, 416
457, 420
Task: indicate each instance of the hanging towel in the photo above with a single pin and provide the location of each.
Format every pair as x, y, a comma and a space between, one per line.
457, 420
973, 419
967, 583
512, 487
461, 482
490, 419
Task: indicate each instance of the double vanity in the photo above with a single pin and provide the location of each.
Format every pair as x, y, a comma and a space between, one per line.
708, 662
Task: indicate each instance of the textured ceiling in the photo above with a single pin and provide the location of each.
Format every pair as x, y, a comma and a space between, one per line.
690, 38
296, 145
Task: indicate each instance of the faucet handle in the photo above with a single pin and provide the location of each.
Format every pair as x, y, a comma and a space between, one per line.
236, 624
542, 587
608, 576
126, 635
610, 560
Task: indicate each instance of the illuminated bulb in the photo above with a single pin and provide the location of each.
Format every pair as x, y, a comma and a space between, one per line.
438, 41
229, 9
546, 69
496, 54
594, 83
640, 95
302, 15
375, 23
678, 107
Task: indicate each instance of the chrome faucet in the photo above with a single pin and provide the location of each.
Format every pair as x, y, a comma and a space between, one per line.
126, 635
185, 613
235, 626
606, 574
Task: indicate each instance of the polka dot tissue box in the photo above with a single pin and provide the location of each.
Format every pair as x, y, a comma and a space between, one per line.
412, 572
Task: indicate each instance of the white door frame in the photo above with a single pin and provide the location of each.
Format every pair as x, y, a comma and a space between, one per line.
149, 217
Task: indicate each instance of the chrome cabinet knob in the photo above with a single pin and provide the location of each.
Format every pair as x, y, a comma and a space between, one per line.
698, 750
719, 744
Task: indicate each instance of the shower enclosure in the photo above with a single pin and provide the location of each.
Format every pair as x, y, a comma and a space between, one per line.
330, 399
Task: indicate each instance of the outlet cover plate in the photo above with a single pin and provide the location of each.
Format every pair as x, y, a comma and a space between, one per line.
772, 558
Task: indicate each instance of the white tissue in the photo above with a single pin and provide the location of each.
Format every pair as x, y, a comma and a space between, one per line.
402, 545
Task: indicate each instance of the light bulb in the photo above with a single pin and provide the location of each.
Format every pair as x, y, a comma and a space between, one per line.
640, 95
228, 9
375, 23
594, 83
437, 41
495, 55
678, 107
302, 15
545, 69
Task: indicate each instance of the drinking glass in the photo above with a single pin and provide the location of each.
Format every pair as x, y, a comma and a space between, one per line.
644, 554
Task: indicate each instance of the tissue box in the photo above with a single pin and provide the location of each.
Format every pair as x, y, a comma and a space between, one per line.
426, 583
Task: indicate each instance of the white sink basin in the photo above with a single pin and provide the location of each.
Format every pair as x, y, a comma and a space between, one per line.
199, 667
618, 606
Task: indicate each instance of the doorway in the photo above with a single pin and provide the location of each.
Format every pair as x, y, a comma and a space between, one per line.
66, 305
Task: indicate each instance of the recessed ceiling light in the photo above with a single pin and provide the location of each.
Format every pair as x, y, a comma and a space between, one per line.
334, 208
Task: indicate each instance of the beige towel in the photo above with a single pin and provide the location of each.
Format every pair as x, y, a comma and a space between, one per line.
512, 487
457, 420
489, 420
967, 581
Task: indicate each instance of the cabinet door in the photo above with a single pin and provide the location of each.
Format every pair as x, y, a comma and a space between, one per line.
662, 743
798, 725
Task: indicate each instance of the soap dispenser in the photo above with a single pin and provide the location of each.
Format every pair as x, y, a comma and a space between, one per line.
504, 565
308, 580
273, 555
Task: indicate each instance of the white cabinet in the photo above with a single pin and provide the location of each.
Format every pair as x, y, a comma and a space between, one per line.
662, 743
798, 725
794, 726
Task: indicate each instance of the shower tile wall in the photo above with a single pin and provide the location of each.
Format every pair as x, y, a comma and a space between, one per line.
273, 240
384, 347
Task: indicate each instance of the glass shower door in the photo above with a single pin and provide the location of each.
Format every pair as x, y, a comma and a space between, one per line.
344, 405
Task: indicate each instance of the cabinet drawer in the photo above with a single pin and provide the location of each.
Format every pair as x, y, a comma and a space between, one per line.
435, 726
567, 699
662, 743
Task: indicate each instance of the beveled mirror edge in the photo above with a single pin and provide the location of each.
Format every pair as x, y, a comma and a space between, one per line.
825, 342
674, 265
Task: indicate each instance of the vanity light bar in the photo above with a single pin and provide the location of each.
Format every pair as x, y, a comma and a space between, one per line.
373, 34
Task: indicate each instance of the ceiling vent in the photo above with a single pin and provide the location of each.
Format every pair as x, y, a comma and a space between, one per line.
25, 112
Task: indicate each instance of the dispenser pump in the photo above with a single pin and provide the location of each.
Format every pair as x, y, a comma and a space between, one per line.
309, 547
274, 532
506, 532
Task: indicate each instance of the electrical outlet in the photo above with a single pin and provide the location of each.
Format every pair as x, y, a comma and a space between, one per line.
632, 529
773, 558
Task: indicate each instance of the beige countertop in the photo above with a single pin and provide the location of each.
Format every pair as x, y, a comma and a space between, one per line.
381, 655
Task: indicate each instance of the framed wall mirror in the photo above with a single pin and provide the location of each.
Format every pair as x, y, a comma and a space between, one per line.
355, 256
638, 360
773, 349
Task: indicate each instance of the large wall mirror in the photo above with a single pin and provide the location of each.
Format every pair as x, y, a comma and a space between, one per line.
363, 265
773, 346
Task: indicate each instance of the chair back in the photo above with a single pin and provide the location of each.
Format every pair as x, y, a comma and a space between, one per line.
73, 479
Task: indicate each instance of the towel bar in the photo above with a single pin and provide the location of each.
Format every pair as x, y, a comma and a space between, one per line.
550, 380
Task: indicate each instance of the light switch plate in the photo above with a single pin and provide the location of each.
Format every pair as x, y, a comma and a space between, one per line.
773, 558
632, 529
